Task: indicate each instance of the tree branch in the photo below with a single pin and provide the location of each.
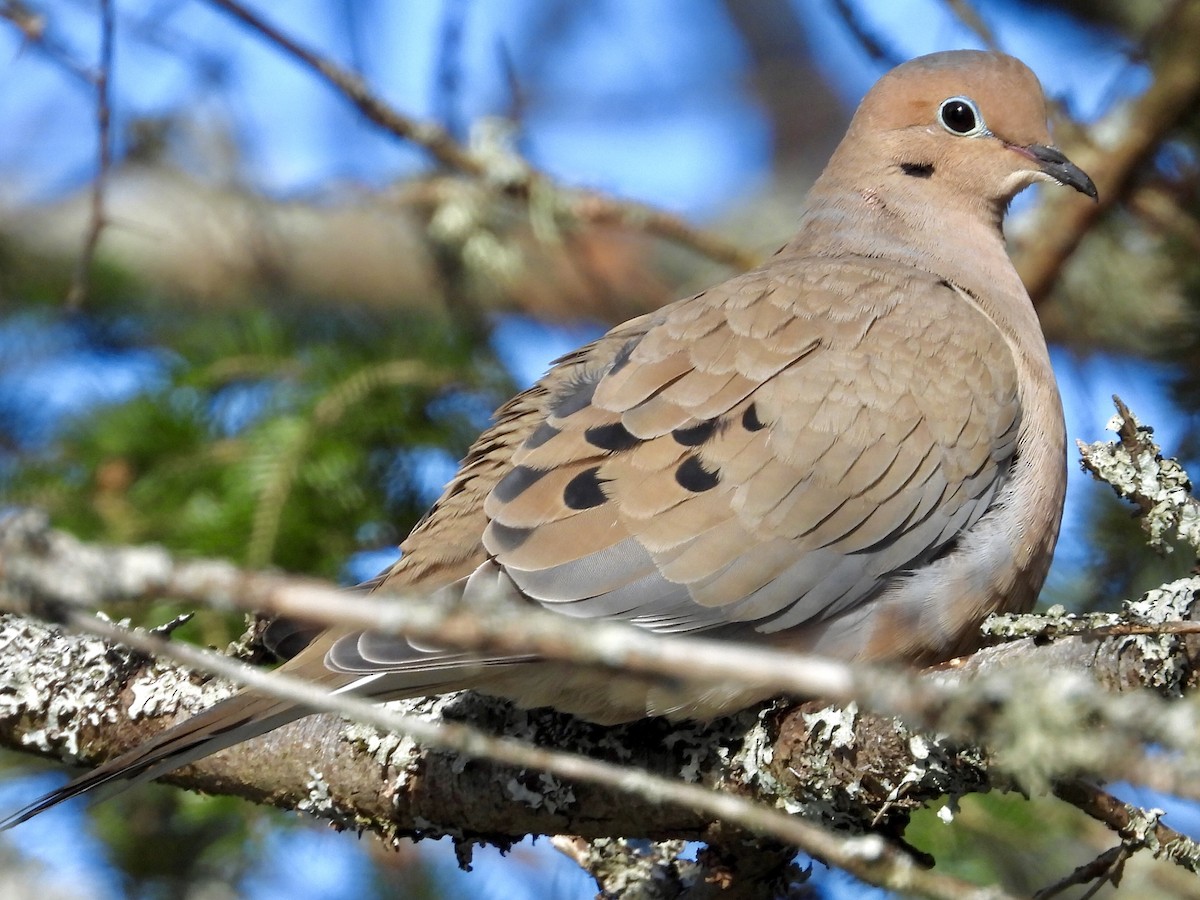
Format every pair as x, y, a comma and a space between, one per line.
833, 764
1134, 129
1137, 471
511, 175
306, 766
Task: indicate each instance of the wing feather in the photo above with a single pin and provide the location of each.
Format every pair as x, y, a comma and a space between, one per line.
770, 453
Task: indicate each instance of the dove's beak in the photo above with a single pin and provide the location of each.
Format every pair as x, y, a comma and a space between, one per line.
1052, 161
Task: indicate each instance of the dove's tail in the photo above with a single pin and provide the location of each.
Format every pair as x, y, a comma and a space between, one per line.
239, 718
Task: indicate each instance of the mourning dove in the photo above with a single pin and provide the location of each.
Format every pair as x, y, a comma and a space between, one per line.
856, 449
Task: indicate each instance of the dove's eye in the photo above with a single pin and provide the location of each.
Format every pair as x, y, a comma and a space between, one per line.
959, 115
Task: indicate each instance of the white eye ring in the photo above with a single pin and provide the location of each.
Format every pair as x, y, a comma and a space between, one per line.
960, 116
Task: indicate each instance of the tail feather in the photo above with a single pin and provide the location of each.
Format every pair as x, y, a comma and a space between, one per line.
239, 718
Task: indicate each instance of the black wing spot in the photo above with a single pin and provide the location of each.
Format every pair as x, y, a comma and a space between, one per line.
584, 490
695, 435
614, 436
541, 434
507, 538
917, 170
692, 476
517, 480
751, 421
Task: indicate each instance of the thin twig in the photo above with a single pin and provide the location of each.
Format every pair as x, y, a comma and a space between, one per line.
433, 138
522, 183
1100, 868
866, 37
32, 25
1137, 828
77, 294
1131, 628
969, 16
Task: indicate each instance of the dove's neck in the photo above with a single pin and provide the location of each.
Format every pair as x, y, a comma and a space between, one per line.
936, 229
915, 222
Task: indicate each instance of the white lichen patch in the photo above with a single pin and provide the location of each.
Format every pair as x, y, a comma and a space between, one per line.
833, 726
830, 788
319, 800
929, 769
163, 689
550, 794
1143, 827
753, 759
61, 683
1165, 665
556, 795
1054, 621
695, 742
1137, 470
756, 758
521, 794
693, 763
384, 747
399, 753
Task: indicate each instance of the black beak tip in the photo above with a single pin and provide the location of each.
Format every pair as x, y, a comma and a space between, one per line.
1085, 186
1054, 163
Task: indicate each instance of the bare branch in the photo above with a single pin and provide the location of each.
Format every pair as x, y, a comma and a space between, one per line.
1138, 828
874, 46
969, 16
514, 178
1105, 867
1134, 130
77, 293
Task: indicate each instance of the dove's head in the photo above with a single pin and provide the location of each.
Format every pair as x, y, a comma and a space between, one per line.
965, 122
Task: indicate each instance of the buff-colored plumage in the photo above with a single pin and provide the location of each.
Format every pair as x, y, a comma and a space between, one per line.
855, 449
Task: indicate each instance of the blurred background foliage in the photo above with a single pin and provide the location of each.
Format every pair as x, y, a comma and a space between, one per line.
295, 323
